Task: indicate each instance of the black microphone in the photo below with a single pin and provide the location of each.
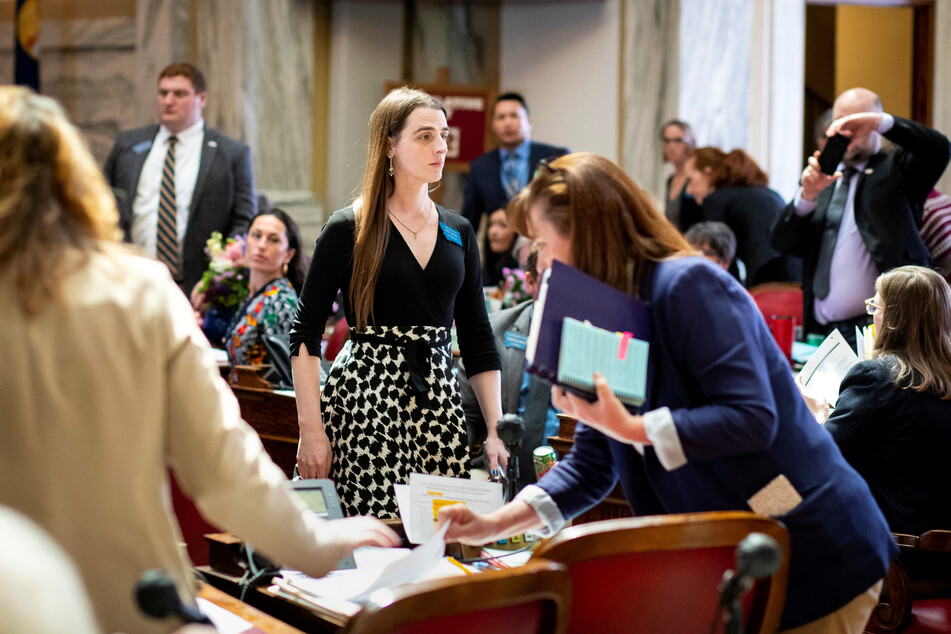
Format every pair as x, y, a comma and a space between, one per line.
510, 429
156, 595
758, 556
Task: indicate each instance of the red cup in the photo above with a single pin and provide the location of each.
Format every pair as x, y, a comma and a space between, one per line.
783, 328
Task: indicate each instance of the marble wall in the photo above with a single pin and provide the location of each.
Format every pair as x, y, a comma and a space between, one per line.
649, 87
87, 66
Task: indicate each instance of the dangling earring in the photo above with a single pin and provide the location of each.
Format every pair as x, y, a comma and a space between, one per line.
285, 269
390, 171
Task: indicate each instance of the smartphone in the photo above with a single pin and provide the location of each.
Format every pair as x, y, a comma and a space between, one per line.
833, 152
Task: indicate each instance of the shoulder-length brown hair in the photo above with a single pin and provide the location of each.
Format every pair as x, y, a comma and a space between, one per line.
736, 169
916, 328
53, 197
613, 225
372, 233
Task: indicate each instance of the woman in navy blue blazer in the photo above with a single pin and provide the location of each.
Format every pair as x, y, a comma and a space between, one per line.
893, 417
724, 419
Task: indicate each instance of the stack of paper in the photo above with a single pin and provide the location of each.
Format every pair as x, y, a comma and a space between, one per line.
823, 373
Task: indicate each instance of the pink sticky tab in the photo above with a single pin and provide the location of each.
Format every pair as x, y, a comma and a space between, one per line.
622, 347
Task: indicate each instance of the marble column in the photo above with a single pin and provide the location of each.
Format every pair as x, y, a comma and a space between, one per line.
941, 99
258, 57
649, 87
161, 28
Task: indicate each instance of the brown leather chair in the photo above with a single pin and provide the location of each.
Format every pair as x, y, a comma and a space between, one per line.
915, 601
661, 573
532, 598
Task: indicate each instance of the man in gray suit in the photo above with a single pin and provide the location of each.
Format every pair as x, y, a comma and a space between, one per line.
179, 181
523, 394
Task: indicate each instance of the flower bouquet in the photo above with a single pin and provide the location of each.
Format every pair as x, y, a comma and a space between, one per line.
514, 290
224, 286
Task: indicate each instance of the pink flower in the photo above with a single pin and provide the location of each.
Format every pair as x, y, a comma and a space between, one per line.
235, 251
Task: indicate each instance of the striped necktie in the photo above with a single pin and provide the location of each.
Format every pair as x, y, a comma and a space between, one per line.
510, 175
166, 242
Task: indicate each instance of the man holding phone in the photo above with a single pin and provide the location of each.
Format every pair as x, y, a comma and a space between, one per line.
861, 219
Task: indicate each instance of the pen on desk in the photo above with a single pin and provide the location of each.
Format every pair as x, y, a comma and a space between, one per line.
454, 562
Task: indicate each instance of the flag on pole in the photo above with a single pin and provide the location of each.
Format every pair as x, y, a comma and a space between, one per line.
26, 56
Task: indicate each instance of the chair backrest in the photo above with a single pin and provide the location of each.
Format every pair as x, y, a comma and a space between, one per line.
778, 298
531, 598
660, 573
916, 598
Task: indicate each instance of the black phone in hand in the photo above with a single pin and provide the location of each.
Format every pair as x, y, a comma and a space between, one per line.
833, 152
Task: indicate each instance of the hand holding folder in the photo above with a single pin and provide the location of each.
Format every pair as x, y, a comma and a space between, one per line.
581, 326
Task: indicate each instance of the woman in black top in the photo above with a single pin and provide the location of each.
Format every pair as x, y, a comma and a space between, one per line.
408, 268
731, 188
498, 249
893, 417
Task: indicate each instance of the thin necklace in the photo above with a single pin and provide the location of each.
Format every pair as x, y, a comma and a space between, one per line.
405, 226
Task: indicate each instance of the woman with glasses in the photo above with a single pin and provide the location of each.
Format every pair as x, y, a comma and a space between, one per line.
724, 419
676, 146
893, 417
408, 269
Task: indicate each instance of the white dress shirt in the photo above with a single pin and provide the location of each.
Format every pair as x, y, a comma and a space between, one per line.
146, 202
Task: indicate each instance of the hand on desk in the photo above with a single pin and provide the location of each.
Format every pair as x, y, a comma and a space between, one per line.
354, 532
607, 414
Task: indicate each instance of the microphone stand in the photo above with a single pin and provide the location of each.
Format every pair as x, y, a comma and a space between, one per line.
758, 556
510, 429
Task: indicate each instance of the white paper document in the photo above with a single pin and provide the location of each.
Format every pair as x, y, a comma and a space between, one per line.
376, 568
825, 370
225, 622
428, 493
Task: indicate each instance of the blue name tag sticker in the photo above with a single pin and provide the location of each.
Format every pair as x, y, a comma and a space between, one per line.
515, 340
451, 234
144, 146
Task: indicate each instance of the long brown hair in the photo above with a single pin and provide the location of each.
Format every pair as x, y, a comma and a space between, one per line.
916, 328
736, 169
614, 228
53, 197
372, 232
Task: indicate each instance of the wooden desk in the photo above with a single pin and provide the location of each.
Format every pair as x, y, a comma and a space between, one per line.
273, 416
261, 621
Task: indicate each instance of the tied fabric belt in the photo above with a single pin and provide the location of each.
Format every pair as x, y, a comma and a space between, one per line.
417, 355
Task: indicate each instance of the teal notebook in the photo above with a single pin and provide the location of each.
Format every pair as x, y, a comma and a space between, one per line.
586, 349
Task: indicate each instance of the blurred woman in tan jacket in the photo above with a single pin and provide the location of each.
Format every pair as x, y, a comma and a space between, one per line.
106, 381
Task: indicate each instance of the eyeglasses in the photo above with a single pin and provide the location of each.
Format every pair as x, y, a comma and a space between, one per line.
544, 165
666, 141
871, 307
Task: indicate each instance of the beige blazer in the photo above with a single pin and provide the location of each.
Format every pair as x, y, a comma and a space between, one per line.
98, 394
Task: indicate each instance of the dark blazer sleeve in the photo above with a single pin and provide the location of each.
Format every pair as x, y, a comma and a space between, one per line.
586, 475
472, 205
925, 155
245, 202
862, 396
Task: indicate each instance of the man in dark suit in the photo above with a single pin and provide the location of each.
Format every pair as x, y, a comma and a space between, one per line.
496, 176
864, 220
522, 394
179, 181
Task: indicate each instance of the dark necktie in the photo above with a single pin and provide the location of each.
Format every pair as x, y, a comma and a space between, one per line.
510, 175
166, 237
834, 213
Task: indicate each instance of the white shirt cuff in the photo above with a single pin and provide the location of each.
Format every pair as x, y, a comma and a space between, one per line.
661, 431
802, 206
888, 122
537, 498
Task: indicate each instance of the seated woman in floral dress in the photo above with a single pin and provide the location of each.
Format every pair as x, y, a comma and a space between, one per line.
275, 269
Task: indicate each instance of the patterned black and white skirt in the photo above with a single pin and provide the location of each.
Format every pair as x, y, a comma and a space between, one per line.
391, 406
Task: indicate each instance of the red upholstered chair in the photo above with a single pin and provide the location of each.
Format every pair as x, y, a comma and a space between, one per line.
339, 336
532, 598
914, 603
779, 298
660, 573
